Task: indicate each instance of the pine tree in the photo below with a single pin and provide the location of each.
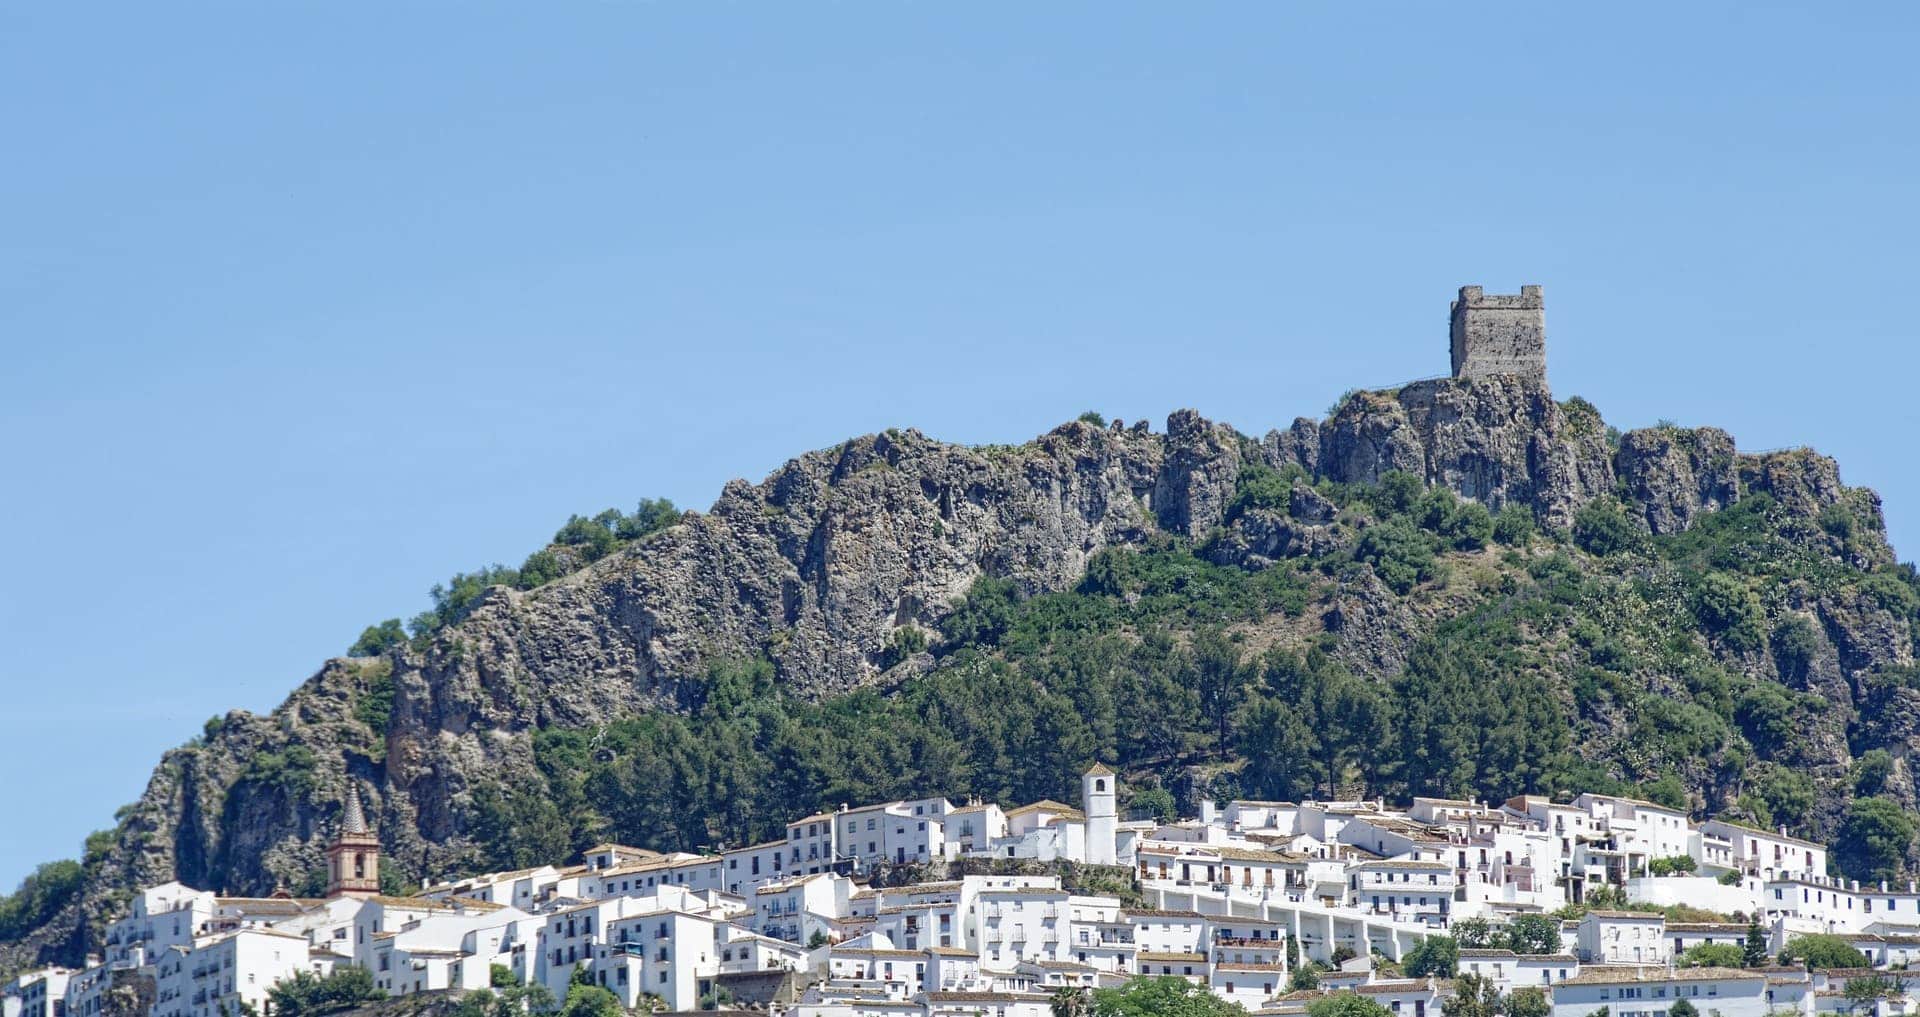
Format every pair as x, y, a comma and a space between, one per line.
1756, 949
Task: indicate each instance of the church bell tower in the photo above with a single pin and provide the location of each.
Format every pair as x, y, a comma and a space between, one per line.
353, 859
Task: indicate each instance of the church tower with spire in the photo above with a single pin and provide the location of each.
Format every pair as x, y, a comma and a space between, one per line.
353, 859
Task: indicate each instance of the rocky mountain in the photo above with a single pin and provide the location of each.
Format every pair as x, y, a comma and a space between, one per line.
1728, 627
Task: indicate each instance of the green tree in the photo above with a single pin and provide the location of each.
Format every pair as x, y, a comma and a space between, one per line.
1470, 528
1400, 553
1474, 933
1397, 493
984, 614
1162, 997
1671, 865
1818, 950
652, 516
309, 995
1435, 955
1753, 953
1712, 955
587, 999
1219, 678
1668, 790
1071, 1001
1871, 770
1874, 839
1863, 993
1796, 645
1346, 1004
1601, 527
511, 1000
378, 639
1156, 802
1528, 1001
1263, 487
1474, 996
1682, 1008
1534, 934
1725, 607
540, 568
1513, 525
593, 538
39, 897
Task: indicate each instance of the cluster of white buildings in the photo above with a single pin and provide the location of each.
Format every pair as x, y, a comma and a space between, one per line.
826, 922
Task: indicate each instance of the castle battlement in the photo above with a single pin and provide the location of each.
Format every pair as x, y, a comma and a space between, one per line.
1494, 334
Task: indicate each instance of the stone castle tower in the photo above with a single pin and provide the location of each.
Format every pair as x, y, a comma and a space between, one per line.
1499, 334
1097, 794
353, 859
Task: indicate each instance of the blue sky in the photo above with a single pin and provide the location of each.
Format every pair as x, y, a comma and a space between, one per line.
307, 306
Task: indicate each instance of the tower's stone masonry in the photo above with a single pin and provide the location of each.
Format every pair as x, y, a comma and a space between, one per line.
1499, 334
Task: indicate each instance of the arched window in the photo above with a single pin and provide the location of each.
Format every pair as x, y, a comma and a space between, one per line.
1100, 784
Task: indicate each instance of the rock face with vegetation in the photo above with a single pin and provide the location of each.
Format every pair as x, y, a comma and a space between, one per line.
1461, 588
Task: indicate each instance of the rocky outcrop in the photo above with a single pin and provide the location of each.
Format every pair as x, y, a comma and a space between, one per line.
1201, 467
1259, 537
1674, 474
1298, 445
1500, 441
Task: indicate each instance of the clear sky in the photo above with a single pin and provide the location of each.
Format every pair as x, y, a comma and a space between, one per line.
306, 307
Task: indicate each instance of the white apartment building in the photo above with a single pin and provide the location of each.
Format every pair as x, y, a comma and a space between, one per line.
975, 826
924, 921
1652, 991
1100, 937
1841, 905
521, 888
1404, 889
1767, 856
746, 869
1023, 923
1168, 940
609, 856
742, 951
638, 879
430, 954
1623, 937
215, 976
42, 993
812, 844
664, 952
170, 914
87, 989
798, 909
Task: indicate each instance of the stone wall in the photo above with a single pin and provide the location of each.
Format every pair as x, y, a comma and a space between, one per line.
1499, 334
